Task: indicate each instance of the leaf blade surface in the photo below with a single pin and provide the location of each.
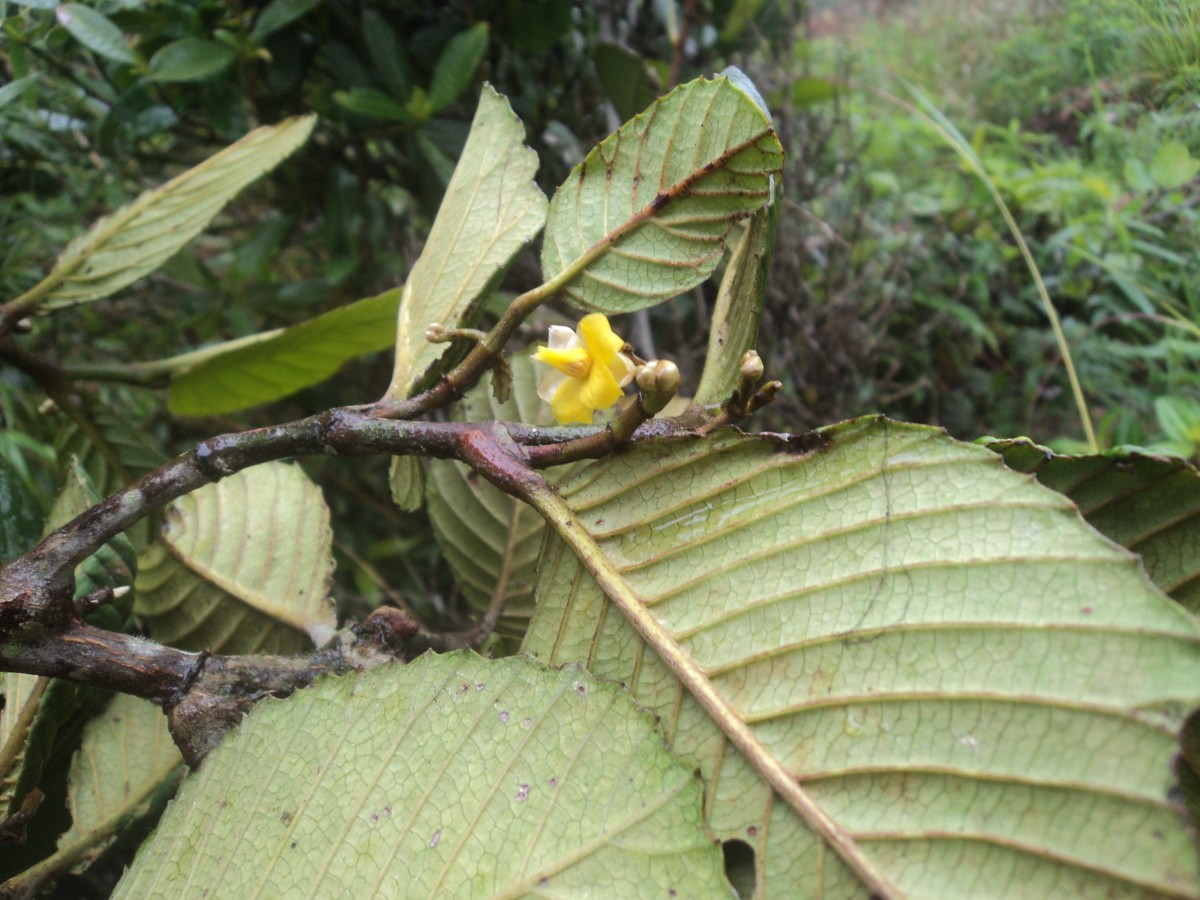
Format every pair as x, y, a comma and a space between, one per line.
242, 566
644, 217
359, 784
916, 635
491, 210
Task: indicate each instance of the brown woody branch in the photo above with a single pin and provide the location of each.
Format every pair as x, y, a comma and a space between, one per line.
204, 695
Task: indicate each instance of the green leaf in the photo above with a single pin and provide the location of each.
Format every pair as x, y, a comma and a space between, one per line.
966, 684
626, 79
23, 695
739, 306
492, 209
644, 217
125, 761
279, 14
451, 776
372, 102
126, 757
190, 59
247, 372
1173, 166
139, 237
94, 31
242, 566
454, 68
1146, 503
14, 89
387, 52
491, 540
31, 707
406, 479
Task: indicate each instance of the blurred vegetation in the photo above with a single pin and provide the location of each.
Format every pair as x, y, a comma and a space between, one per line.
913, 297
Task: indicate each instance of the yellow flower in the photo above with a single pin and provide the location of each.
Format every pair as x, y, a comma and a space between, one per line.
588, 371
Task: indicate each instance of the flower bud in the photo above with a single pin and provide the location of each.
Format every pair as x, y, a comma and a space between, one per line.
661, 376
752, 367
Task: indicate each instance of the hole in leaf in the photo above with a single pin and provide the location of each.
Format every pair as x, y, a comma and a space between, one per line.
739, 866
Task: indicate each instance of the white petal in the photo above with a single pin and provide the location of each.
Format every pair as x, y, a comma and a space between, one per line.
563, 338
549, 383
630, 370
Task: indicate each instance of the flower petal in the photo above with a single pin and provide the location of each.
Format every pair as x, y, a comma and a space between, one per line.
563, 338
548, 383
568, 404
572, 361
601, 390
622, 368
599, 338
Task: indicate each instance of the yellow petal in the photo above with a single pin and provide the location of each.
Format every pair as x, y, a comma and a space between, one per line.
599, 338
568, 405
601, 390
573, 361
622, 368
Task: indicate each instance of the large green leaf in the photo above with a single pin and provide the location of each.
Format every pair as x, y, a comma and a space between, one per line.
739, 306
491, 210
952, 677
244, 373
491, 540
1148, 504
242, 566
140, 236
125, 759
644, 216
452, 776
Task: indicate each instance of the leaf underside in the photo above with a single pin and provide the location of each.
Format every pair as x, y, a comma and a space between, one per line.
491, 540
973, 684
451, 776
738, 307
491, 210
1147, 504
644, 217
140, 236
242, 566
126, 753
